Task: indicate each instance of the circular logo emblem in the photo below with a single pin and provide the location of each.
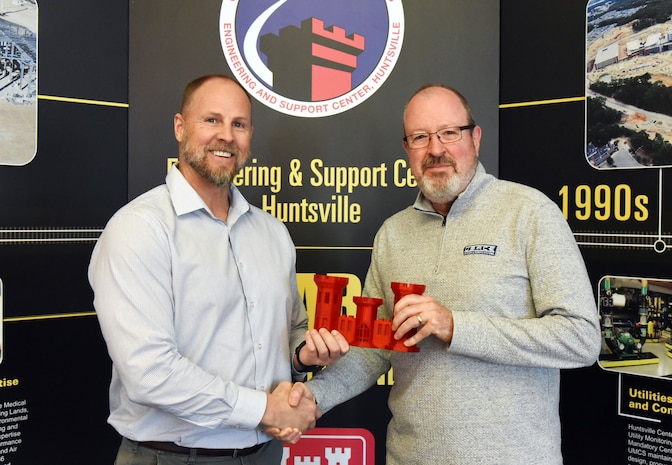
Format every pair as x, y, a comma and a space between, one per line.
311, 58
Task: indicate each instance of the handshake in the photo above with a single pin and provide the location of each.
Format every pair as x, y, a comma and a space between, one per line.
290, 411
291, 408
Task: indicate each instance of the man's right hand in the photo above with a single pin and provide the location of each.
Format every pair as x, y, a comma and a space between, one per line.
299, 392
287, 421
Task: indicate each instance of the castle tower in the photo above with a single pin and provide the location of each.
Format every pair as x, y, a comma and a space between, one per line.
329, 300
367, 311
400, 290
312, 63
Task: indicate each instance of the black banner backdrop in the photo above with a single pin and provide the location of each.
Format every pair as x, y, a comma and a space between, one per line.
110, 78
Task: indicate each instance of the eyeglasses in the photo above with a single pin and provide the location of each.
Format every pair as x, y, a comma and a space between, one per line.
445, 136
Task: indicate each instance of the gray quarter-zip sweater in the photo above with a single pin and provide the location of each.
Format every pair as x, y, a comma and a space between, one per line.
506, 263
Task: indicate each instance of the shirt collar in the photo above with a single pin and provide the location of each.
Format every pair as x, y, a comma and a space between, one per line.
186, 200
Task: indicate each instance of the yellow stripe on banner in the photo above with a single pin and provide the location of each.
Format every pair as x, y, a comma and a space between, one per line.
542, 102
126, 105
47, 317
84, 101
628, 363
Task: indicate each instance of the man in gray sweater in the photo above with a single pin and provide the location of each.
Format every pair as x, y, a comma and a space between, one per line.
508, 303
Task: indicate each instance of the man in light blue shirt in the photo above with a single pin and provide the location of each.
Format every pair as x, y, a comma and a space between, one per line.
196, 295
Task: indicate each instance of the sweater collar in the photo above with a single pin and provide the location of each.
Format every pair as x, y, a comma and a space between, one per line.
478, 182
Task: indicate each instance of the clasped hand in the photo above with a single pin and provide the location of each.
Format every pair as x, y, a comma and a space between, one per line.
297, 401
299, 411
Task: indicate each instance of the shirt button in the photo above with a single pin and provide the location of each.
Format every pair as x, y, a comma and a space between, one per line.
259, 346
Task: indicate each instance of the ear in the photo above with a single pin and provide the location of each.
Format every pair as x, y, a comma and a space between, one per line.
178, 126
476, 137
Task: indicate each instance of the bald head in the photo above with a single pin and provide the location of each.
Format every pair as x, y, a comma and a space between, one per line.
430, 91
196, 84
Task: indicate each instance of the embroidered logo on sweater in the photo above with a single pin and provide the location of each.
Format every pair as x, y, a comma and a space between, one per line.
480, 249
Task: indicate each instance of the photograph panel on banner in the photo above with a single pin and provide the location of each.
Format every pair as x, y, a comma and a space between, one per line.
18, 81
636, 316
636, 320
628, 106
628, 78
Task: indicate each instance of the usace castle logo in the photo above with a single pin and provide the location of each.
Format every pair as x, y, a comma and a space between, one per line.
311, 58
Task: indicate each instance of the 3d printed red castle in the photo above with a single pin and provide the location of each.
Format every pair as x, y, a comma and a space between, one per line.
364, 330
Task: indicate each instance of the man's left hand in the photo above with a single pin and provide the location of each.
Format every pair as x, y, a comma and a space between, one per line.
426, 315
323, 347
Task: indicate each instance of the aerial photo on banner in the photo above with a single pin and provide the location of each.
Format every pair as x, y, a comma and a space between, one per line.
18, 81
628, 79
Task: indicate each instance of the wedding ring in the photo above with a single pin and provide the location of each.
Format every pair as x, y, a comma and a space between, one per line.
419, 319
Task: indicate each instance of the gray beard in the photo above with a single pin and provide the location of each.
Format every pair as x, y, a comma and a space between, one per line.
440, 191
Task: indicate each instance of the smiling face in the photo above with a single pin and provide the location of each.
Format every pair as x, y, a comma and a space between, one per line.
214, 131
443, 171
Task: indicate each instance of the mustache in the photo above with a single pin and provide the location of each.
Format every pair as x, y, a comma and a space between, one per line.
231, 148
443, 160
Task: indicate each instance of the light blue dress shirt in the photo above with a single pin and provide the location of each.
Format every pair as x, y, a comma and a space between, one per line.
200, 316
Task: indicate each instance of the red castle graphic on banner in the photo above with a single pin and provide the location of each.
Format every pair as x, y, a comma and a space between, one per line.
331, 446
311, 59
312, 63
